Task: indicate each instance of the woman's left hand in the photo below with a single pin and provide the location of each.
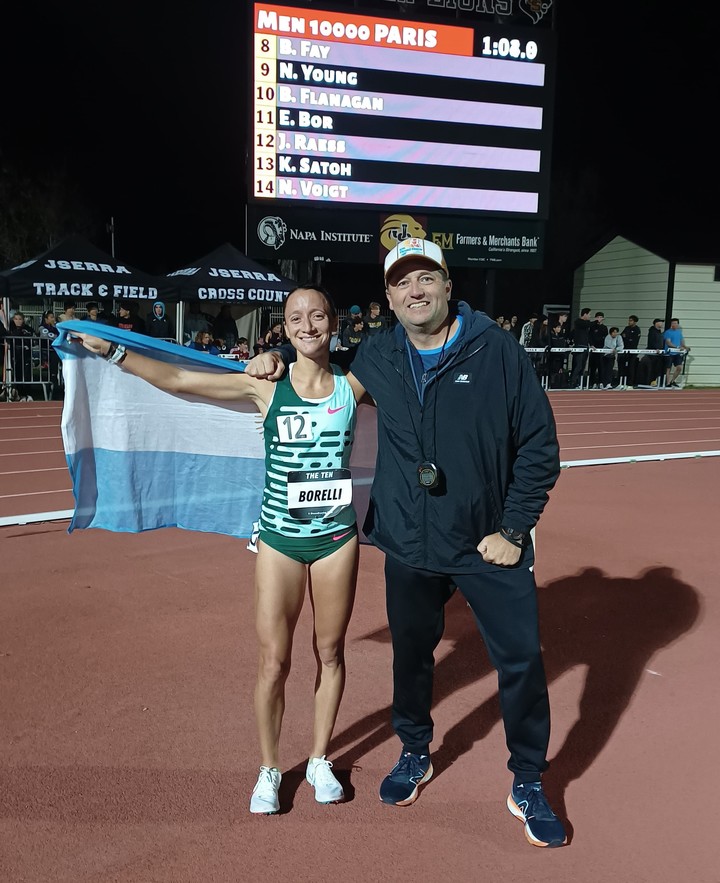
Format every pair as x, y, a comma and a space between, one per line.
94, 344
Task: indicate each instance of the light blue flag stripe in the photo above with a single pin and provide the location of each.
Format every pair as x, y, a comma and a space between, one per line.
141, 459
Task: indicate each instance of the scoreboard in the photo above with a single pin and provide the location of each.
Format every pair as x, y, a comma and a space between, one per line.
356, 110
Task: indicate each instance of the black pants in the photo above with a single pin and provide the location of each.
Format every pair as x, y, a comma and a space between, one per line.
579, 361
504, 603
596, 368
627, 366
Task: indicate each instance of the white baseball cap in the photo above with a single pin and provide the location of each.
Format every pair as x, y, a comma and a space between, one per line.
422, 249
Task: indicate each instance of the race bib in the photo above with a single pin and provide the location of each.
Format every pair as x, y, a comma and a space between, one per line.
319, 494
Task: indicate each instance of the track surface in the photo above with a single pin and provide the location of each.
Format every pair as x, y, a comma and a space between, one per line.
128, 749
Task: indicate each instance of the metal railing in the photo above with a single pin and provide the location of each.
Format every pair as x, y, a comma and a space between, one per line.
30, 368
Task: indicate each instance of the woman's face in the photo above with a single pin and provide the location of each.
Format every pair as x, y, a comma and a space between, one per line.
18, 319
308, 323
50, 318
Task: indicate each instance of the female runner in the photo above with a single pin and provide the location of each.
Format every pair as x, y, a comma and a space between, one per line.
308, 531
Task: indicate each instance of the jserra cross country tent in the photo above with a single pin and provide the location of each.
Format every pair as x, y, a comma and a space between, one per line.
227, 275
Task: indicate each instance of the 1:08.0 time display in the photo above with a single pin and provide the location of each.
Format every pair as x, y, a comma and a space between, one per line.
505, 48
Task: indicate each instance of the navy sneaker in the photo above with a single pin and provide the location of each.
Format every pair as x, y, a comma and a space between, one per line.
401, 787
528, 803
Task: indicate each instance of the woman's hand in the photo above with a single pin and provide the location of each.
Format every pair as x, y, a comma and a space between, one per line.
94, 344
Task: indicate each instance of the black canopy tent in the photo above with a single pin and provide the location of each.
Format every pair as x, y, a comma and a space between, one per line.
75, 269
226, 276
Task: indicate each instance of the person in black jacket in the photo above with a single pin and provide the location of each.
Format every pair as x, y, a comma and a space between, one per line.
628, 363
597, 333
581, 327
651, 366
467, 455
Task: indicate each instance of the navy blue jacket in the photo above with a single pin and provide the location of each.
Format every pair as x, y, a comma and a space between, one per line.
487, 424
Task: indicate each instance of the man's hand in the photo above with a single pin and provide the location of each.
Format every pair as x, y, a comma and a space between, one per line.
266, 366
495, 549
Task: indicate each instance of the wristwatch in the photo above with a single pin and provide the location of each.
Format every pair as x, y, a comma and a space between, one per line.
516, 537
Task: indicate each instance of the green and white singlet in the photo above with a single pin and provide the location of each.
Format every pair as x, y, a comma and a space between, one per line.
308, 488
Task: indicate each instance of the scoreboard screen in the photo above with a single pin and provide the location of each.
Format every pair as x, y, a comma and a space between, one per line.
357, 110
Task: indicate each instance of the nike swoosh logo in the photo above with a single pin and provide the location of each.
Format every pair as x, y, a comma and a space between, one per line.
335, 410
340, 535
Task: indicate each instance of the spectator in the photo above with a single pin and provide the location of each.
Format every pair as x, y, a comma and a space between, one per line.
675, 350
221, 346
351, 318
48, 355
260, 346
374, 322
241, 350
596, 338
126, 320
203, 342
580, 332
526, 332
195, 321
515, 327
500, 319
628, 362
19, 343
69, 307
556, 361
651, 365
614, 342
274, 336
353, 334
507, 325
159, 325
225, 326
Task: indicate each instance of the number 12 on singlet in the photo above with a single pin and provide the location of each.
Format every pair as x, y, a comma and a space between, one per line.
294, 427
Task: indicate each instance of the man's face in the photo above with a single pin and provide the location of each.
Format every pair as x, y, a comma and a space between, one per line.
631, 322
157, 310
613, 334
418, 295
93, 313
599, 319
374, 311
658, 324
124, 312
674, 325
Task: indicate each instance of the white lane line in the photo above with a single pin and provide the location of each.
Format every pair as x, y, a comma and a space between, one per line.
66, 490
59, 515
27, 438
640, 458
33, 471
595, 447
606, 432
32, 453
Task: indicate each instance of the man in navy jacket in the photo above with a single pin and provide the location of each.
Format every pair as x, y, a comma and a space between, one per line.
467, 454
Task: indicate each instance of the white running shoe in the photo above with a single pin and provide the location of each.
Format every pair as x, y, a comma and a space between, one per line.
265, 793
320, 775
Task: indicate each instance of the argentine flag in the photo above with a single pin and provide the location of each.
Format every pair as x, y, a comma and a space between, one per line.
141, 458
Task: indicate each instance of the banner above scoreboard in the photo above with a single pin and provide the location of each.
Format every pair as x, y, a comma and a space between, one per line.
353, 110
287, 233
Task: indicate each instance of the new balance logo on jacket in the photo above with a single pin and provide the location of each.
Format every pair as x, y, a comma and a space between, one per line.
462, 378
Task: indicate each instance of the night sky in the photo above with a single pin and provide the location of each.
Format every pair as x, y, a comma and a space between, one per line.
142, 109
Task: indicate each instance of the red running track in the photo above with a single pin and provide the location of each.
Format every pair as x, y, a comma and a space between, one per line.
593, 426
